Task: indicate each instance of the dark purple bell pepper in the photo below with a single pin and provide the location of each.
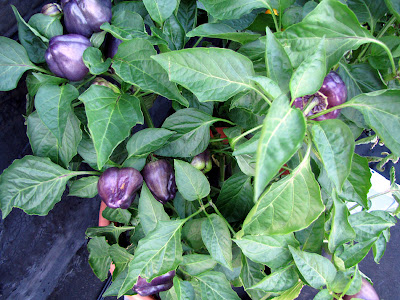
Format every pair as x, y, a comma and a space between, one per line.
86, 16
159, 284
51, 9
160, 178
332, 93
202, 161
112, 46
64, 56
117, 187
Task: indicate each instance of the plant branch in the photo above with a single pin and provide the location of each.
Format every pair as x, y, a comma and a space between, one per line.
328, 110
146, 114
202, 208
197, 42
236, 139
219, 214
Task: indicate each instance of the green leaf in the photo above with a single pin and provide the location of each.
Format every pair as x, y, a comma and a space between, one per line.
174, 33
14, 61
150, 210
98, 38
45, 144
368, 11
381, 110
99, 257
191, 233
181, 290
394, 8
335, 143
187, 15
278, 281
310, 74
34, 43
251, 274
195, 264
224, 72
323, 295
342, 33
158, 253
160, 10
53, 104
227, 10
46, 25
33, 184
183, 207
118, 215
120, 257
85, 187
272, 251
236, 197
192, 128
317, 270
110, 232
215, 286
341, 230
147, 141
290, 204
282, 135
223, 31
268, 86
352, 255
292, 293
368, 226
92, 57
312, 237
217, 238
110, 118
35, 80
134, 65
277, 62
191, 183
116, 285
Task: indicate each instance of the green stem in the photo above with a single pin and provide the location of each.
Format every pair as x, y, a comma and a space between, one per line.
113, 76
86, 81
88, 173
77, 103
346, 288
222, 217
217, 140
274, 18
354, 207
226, 121
310, 105
145, 94
202, 208
146, 114
328, 110
263, 96
236, 139
137, 91
379, 194
197, 42
43, 70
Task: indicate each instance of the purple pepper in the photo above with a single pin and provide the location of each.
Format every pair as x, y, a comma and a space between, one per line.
86, 16
51, 9
158, 284
332, 93
117, 187
160, 179
202, 161
64, 56
112, 47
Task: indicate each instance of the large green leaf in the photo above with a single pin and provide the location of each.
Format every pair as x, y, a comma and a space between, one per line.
147, 140
224, 72
217, 238
46, 25
35, 80
158, 253
53, 104
317, 270
251, 274
278, 281
181, 290
111, 232
236, 197
381, 110
394, 8
215, 286
290, 204
134, 65
195, 264
335, 143
160, 10
192, 128
223, 31
191, 183
282, 135
34, 184
14, 61
272, 251
277, 62
341, 231
332, 20
119, 215
368, 11
110, 118
93, 59
99, 257
312, 237
352, 255
85, 187
174, 33
150, 210
120, 257
368, 226
227, 9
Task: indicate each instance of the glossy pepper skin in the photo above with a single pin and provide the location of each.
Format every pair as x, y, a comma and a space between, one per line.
86, 16
202, 161
117, 187
160, 179
64, 56
158, 284
332, 93
367, 292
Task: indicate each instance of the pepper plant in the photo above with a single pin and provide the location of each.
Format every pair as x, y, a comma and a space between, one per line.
273, 94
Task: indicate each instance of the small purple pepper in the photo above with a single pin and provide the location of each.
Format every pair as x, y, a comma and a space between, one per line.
64, 56
202, 161
159, 284
332, 93
160, 179
117, 187
86, 16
